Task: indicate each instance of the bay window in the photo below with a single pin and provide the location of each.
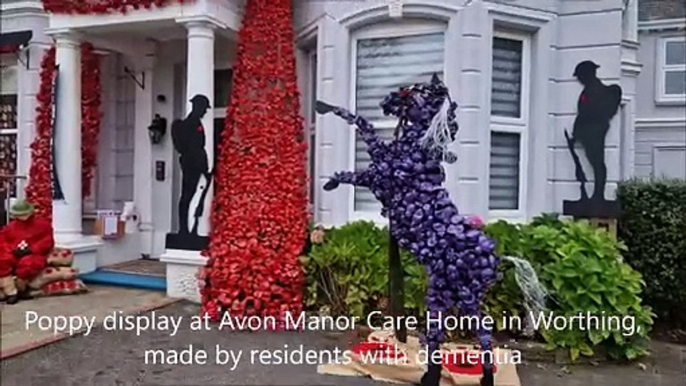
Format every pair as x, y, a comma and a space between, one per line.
8, 126
383, 62
671, 70
509, 121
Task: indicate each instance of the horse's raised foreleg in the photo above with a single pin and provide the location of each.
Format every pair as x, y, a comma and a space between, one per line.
364, 128
361, 178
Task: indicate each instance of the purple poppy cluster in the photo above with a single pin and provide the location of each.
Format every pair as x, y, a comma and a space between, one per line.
406, 176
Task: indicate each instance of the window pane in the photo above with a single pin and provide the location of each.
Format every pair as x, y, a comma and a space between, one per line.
384, 65
506, 79
676, 53
222, 87
675, 82
8, 79
504, 171
8, 112
8, 163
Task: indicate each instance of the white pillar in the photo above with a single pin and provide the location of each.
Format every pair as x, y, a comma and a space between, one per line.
200, 80
142, 151
630, 25
67, 213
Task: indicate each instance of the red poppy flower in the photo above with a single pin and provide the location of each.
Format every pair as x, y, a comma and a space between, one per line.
464, 362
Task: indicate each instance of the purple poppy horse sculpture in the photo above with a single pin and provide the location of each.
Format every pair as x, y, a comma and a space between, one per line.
406, 176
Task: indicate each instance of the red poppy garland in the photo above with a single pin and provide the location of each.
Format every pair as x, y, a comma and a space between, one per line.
39, 188
90, 114
103, 6
259, 216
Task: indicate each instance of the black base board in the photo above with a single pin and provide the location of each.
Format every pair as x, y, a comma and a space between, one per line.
188, 242
591, 209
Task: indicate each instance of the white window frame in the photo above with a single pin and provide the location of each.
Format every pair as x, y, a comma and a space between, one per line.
311, 124
518, 125
13, 62
220, 112
381, 31
661, 68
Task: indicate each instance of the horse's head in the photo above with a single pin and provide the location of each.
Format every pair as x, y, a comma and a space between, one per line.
430, 112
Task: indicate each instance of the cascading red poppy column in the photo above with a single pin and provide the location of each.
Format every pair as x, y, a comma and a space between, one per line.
39, 188
259, 219
90, 114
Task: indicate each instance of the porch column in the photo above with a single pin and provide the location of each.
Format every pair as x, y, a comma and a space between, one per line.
67, 212
142, 151
200, 80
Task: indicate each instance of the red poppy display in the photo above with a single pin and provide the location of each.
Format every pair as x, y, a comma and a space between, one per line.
464, 362
103, 6
259, 217
39, 188
90, 114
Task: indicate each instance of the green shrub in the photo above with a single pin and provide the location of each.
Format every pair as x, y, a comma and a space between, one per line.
653, 226
348, 273
581, 267
579, 264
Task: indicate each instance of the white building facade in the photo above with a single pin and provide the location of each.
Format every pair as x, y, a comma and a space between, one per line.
661, 115
508, 65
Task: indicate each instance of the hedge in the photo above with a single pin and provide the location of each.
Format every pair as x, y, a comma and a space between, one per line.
652, 225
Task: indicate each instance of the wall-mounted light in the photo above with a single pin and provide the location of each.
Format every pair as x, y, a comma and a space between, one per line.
157, 129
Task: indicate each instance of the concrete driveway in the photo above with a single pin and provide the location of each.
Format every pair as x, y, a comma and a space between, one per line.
118, 358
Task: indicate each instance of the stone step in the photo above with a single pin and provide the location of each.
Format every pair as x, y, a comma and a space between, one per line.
123, 279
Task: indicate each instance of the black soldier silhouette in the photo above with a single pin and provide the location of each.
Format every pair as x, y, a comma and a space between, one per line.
188, 136
597, 105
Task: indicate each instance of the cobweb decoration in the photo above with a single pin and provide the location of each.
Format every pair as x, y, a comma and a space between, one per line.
437, 137
535, 294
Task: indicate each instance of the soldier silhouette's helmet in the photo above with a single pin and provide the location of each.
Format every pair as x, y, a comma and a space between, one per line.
200, 102
585, 69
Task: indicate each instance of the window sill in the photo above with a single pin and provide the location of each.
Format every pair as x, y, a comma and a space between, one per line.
670, 101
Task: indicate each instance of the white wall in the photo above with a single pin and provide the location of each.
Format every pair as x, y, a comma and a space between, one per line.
562, 34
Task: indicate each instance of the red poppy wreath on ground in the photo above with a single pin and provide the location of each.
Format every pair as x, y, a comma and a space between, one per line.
39, 188
103, 6
259, 217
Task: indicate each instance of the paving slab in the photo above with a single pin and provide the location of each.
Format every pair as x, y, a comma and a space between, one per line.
99, 302
118, 358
